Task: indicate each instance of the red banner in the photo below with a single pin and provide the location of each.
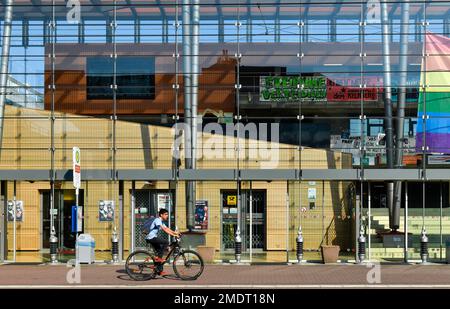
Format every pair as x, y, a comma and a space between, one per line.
348, 90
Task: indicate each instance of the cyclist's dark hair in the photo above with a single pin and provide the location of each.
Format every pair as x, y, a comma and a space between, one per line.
162, 211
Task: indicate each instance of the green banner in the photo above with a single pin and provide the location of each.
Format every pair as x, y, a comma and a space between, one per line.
292, 88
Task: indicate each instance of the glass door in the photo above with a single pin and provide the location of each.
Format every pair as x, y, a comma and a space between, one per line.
252, 225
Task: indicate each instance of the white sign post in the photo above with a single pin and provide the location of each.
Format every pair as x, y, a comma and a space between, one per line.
76, 165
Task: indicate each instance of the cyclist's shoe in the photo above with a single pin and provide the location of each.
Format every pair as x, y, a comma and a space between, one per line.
159, 260
163, 273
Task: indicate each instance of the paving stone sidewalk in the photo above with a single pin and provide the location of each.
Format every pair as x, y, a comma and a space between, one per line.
228, 275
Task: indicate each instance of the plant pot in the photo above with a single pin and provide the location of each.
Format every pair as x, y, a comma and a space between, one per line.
207, 253
330, 254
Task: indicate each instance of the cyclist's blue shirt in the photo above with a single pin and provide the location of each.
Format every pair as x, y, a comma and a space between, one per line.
155, 228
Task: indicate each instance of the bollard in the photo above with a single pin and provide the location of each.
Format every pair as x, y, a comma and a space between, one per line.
299, 245
53, 247
115, 246
238, 246
424, 246
361, 245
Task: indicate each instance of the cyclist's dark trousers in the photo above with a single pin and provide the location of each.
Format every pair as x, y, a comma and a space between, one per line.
159, 244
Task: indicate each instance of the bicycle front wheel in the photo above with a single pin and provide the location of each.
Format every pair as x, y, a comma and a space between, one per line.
140, 266
188, 265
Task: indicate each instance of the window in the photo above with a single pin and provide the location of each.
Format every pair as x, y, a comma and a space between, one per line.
135, 77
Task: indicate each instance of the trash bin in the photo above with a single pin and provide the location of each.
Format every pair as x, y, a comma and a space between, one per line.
447, 250
85, 249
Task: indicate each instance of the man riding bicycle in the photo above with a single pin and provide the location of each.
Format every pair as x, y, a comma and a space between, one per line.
160, 243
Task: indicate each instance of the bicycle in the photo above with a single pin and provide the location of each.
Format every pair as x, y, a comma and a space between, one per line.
141, 265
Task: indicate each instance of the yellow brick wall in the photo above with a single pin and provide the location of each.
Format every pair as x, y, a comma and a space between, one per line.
25, 146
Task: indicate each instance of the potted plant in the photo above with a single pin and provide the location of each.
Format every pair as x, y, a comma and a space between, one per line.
330, 253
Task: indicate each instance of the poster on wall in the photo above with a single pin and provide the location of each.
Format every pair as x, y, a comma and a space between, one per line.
105, 211
164, 201
19, 211
201, 215
312, 194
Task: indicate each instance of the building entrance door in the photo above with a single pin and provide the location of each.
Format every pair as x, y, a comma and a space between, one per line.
252, 216
148, 203
62, 215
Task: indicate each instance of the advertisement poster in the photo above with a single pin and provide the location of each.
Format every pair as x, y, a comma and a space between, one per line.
77, 219
164, 201
347, 89
19, 211
201, 215
311, 194
105, 211
292, 88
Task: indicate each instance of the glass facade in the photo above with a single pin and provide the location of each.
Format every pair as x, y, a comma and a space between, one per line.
310, 113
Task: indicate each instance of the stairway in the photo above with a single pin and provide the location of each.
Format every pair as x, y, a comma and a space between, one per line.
380, 223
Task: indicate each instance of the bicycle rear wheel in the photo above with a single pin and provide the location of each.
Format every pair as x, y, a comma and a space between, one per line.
140, 266
188, 265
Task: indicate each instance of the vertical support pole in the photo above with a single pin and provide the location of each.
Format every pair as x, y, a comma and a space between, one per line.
109, 34
249, 30
54, 241
333, 30
323, 214
195, 73
251, 222
440, 221
14, 223
3, 221
277, 26
369, 221
388, 127
401, 108
405, 223
137, 31
25, 34
221, 27
194, 70
417, 29
132, 216
165, 30
121, 228
187, 109
357, 223
7, 23
287, 225
81, 33
306, 31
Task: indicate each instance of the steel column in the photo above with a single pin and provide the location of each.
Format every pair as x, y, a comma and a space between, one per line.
388, 127
188, 109
404, 37
405, 223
